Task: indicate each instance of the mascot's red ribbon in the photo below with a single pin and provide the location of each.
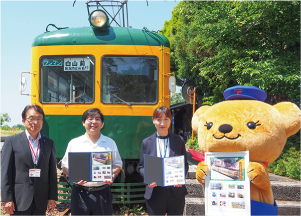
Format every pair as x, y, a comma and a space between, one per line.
198, 156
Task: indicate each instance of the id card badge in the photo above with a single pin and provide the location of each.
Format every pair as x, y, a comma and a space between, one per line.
35, 173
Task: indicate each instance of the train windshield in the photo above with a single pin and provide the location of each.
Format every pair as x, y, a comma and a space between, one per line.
67, 79
129, 80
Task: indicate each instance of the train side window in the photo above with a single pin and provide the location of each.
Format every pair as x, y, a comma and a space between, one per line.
67, 79
129, 79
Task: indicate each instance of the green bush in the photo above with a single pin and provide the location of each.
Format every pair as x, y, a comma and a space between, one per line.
193, 144
128, 209
19, 127
5, 127
288, 163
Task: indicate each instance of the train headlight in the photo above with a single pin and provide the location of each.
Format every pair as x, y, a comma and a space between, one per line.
99, 19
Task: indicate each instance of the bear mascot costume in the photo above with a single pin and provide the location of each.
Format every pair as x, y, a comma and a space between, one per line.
243, 122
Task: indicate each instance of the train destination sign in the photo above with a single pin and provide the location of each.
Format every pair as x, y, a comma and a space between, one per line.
52, 62
76, 64
227, 186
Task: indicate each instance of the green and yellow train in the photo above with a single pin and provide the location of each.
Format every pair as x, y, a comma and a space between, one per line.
124, 72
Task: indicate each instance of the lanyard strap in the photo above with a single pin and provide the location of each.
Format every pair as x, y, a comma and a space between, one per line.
166, 142
32, 150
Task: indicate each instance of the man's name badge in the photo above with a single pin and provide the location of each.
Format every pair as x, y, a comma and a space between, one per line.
35, 173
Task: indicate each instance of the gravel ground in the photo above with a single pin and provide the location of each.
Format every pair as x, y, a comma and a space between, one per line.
60, 207
63, 206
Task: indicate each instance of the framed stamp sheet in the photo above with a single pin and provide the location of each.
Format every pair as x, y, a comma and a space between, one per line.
90, 166
101, 166
164, 171
227, 186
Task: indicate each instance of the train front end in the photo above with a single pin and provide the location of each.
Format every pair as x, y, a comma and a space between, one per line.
122, 71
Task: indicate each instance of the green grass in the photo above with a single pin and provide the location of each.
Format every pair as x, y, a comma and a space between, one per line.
10, 132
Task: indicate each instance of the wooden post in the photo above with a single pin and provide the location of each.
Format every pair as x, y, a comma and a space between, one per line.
193, 110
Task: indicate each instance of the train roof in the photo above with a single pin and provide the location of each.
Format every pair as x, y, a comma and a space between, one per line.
109, 36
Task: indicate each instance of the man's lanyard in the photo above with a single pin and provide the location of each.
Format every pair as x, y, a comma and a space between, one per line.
166, 142
32, 150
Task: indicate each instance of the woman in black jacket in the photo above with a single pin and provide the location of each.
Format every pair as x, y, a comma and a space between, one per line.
170, 199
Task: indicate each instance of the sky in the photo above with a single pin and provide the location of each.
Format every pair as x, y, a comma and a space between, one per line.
22, 21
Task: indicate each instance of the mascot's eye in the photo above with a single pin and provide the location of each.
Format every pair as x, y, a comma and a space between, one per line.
208, 125
252, 125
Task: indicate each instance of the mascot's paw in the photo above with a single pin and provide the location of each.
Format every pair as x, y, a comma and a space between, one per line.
259, 175
201, 172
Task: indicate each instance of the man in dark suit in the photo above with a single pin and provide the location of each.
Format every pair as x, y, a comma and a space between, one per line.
28, 168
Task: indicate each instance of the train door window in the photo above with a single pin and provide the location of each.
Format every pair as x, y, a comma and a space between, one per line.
67, 79
129, 80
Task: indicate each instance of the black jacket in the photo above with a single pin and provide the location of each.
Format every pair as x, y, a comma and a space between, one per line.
177, 148
16, 185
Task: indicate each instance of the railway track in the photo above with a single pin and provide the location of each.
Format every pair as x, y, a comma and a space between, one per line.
66, 211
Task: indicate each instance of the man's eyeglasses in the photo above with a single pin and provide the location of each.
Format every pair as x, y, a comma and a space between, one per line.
31, 120
97, 119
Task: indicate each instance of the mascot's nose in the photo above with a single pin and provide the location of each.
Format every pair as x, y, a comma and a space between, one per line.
225, 128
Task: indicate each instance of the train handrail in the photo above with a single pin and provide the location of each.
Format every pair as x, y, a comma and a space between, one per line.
58, 28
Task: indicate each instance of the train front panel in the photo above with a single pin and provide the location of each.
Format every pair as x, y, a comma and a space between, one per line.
127, 79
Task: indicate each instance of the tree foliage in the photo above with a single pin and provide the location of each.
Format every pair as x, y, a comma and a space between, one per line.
177, 98
288, 164
19, 127
4, 118
6, 127
221, 44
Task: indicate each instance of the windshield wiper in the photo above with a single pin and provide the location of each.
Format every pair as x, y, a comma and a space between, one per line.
120, 99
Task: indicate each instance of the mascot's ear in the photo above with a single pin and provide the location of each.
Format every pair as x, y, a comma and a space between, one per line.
197, 116
291, 116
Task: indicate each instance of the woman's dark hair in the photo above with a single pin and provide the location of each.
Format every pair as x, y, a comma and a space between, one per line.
35, 107
92, 112
160, 111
